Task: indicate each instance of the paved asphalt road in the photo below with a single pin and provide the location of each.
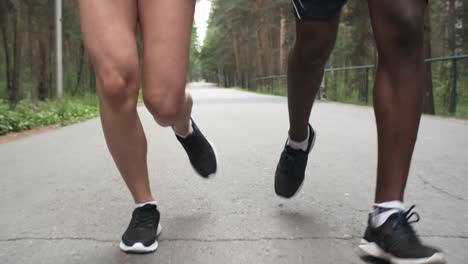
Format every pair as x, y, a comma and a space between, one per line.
62, 200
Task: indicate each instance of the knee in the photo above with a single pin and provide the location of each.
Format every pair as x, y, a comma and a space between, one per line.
118, 88
312, 52
165, 107
407, 40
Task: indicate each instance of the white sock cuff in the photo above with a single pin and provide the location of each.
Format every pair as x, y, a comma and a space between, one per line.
190, 127
138, 205
398, 205
299, 144
190, 130
379, 217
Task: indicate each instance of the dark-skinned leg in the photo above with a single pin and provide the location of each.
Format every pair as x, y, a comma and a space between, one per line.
399, 88
314, 41
398, 94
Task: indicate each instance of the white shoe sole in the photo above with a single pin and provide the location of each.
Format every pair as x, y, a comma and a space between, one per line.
373, 250
139, 247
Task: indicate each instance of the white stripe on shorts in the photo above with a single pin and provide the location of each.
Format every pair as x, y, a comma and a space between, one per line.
295, 8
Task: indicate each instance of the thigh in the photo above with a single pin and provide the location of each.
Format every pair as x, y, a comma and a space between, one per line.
166, 28
109, 35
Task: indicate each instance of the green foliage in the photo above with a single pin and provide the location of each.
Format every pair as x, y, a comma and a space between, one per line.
36, 27
29, 114
273, 86
243, 44
194, 68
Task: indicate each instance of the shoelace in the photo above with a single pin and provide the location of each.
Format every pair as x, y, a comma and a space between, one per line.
405, 220
193, 144
143, 219
289, 158
288, 161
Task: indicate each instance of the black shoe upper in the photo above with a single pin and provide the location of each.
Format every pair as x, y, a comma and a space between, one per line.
143, 226
200, 152
291, 168
398, 238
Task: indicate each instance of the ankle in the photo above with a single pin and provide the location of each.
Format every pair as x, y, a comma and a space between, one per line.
186, 130
298, 137
302, 144
382, 211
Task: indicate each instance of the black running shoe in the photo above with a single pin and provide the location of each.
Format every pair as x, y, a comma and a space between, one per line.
200, 152
290, 171
143, 230
397, 242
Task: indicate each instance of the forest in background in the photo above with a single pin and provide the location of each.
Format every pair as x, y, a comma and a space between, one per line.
27, 55
246, 40
27, 66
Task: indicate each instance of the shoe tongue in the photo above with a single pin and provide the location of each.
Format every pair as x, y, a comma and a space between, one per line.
147, 207
400, 218
294, 151
395, 215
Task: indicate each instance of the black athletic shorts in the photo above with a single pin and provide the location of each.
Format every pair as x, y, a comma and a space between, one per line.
317, 9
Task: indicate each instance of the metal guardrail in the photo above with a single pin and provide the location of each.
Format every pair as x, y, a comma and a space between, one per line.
454, 76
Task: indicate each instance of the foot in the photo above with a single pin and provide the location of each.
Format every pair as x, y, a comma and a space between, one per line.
397, 242
200, 152
290, 171
143, 231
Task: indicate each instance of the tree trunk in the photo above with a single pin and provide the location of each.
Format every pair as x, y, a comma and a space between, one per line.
31, 37
248, 62
263, 36
448, 47
7, 55
282, 44
429, 94
345, 26
236, 55
42, 91
260, 70
80, 68
50, 5
15, 92
265, 49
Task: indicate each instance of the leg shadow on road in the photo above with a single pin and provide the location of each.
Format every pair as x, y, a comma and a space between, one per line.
372, 260
295, 222
185, 226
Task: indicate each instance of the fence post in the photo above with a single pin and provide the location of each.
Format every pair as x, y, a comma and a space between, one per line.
367, 86
318, 96
453, 95
271, 85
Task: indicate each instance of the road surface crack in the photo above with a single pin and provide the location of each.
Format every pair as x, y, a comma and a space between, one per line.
57, 239
215, 240
182, 239
426, 182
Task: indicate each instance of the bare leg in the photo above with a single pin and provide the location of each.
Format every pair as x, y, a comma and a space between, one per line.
109, 28
399, 87
314, 42
166, 28
315, 39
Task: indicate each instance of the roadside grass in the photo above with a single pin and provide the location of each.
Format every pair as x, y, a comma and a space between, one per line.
29, 114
